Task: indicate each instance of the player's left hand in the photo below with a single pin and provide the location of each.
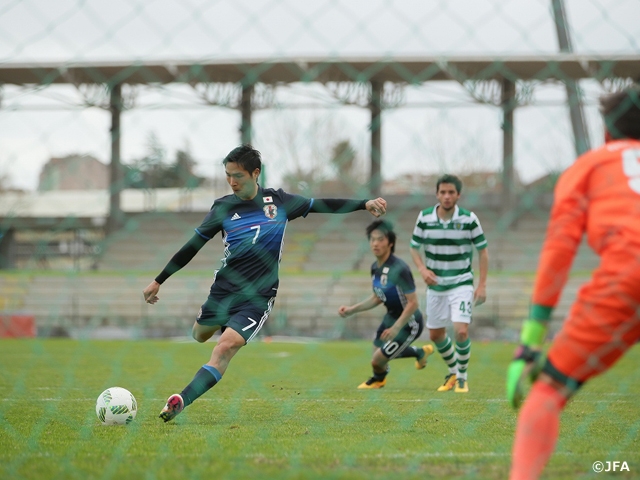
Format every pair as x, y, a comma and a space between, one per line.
377, 207
390, 333
480, 295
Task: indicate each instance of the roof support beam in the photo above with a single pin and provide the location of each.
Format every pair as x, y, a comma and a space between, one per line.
246, 133
508, 105
375, 106
116, 218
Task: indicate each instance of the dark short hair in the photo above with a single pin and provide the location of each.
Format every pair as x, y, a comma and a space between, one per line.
621, 113
447, 178
386, 228
246, 157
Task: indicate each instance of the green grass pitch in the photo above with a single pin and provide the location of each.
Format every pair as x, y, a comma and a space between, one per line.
288, 411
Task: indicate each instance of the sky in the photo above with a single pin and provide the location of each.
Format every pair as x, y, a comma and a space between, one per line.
437, 128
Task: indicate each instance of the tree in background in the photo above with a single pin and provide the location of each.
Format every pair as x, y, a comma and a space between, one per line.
183, 169
5, 182
155, 171
343, 159
304, 149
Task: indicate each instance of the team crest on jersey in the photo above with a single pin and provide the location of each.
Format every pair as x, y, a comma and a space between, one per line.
383, 277
458, 226
270, 211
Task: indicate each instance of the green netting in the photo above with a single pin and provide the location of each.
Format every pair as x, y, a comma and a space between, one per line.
114, 120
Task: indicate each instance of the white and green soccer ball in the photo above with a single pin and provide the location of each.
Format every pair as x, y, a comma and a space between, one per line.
116, 406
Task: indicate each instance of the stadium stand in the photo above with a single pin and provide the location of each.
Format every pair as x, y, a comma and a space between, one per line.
317, 244
325, 264
306, 306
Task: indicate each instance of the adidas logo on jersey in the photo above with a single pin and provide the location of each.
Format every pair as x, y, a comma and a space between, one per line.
235, 216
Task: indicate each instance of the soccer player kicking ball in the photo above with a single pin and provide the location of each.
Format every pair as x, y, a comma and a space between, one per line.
393, 285
252, 221
447, 234
600, 195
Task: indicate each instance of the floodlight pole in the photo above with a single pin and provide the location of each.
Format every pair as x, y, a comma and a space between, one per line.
578, 123
114, 221
375, 106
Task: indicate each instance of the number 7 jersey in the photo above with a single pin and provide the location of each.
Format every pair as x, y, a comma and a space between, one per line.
253, 236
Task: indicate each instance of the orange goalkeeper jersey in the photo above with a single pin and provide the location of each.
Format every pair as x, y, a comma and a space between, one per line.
600, 195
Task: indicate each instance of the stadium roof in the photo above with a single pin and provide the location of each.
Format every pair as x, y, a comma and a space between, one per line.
316, 69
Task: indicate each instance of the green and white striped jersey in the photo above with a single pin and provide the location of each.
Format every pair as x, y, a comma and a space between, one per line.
448, 246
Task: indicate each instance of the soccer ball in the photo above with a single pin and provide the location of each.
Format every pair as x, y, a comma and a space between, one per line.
116, 406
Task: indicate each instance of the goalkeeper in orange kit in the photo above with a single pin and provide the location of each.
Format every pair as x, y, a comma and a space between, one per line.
598, 195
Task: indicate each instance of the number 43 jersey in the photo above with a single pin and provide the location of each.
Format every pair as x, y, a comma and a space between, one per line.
253, 236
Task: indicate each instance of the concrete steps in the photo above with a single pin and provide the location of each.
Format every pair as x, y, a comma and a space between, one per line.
306, 305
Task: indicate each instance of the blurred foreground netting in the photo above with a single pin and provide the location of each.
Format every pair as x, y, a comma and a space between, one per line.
114, 120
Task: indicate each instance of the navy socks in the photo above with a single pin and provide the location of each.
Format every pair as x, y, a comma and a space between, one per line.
204, 380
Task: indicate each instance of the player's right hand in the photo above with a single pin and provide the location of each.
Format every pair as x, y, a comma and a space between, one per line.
344, 311
151, 293
429, 277
527, 360
523, 367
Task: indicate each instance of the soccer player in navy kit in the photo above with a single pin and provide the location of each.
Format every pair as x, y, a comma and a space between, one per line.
252, 221
393, 285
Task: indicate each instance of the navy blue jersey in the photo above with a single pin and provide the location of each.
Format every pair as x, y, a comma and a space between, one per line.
391, 282
253, 236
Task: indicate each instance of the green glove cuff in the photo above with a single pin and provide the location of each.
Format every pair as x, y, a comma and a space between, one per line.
540, 312
533, 333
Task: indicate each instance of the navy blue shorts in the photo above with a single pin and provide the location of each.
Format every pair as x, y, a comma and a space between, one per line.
409, 333
244, 314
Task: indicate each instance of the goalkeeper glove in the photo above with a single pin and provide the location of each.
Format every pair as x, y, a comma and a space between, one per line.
526, 361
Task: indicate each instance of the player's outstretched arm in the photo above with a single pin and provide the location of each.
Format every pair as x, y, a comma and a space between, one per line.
376, 207
179, 260
371, 302
564, 233
526, 361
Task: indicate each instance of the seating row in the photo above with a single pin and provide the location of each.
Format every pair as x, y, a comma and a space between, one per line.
305, 304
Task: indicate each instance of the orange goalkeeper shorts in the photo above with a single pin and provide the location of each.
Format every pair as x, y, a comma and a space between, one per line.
604, 321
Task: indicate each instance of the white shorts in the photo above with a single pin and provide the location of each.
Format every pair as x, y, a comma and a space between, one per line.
452, 306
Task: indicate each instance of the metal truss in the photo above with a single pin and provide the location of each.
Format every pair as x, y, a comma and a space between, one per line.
616, 84
230, 95
489, 92
98, 95
360, 94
